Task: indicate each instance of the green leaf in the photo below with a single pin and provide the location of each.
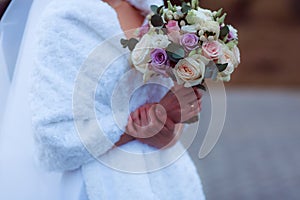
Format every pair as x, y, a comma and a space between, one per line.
185, 8
132, 43
222, 19
219, 12
170, 6
231, 44
173, 47
201, 87
175, 52
224, 31
192, 53
157, 21
124, 42
154, 9
195, 4
160, 10
222, 67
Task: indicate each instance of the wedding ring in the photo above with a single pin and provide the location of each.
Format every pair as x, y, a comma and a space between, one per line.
192, 106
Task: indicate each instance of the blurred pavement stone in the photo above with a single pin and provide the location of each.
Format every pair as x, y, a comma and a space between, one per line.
257, 156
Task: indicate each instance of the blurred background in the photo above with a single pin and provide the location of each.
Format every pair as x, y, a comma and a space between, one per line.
257, 156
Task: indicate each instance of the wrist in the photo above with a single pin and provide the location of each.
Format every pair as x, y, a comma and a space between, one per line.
125, 138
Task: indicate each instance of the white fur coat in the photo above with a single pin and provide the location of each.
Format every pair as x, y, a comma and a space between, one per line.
69, 32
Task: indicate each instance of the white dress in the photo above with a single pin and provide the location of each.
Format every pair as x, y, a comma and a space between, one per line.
68, 32
21, 177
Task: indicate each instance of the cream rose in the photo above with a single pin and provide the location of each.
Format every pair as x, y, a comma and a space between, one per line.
160, 41
140, 56
227, 57
190, 70
212, 50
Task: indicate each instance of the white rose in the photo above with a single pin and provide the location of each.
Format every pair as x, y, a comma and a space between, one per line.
237, 55
199, 16
229, 57
211, 26
160, 41
190, 28
140, 56
204, 14
190, 70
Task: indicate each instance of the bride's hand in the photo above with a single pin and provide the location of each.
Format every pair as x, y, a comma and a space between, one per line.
149, 124
181, 103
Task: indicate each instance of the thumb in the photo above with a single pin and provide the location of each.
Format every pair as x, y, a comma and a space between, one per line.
158, 114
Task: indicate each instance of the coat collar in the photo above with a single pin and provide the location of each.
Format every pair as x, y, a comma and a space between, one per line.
144, 5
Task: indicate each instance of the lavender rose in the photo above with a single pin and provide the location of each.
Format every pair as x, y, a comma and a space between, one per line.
189, 41
159, 61
233, 33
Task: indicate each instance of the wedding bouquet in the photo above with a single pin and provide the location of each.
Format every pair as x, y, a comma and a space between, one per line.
187, 43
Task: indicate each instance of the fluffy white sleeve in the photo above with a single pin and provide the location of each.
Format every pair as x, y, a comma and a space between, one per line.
68, 32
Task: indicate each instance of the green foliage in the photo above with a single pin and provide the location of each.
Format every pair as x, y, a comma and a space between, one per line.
154, 9
201, 86
221, 20
222, 67
131, 43
224, 32
185, 8
157, 21
124, 42
175, 52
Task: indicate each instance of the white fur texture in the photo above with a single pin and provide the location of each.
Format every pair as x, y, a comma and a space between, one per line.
69, 31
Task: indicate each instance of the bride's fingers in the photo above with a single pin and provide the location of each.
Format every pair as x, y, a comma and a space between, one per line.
199, 105
184, 92
144, 116
194, 111
130, 128
157, 117
136, 117
169, 125
187, 98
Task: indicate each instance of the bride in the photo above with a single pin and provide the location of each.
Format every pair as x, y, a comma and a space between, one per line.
91, 163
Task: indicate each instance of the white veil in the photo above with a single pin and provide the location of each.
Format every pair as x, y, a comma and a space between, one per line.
21, 178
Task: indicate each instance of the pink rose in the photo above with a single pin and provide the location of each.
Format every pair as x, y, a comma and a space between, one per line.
172, 26
212, 50
143, 30
173, 31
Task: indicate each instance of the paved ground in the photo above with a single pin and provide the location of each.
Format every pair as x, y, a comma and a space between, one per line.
257, 156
